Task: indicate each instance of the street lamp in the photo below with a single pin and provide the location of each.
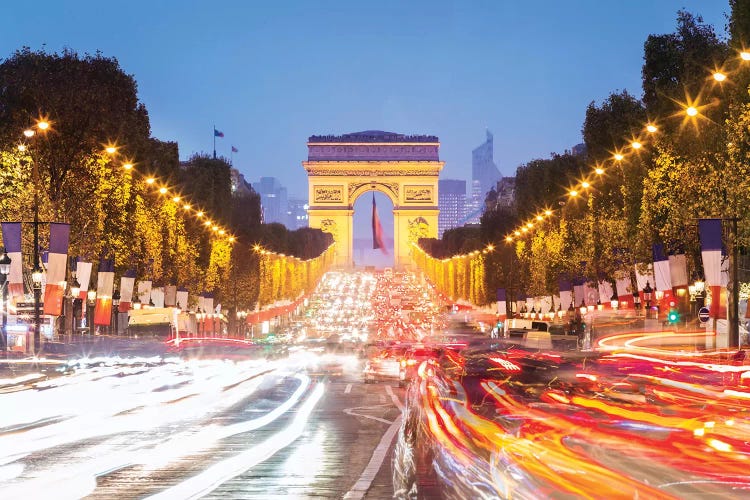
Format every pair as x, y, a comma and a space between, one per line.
36, 277
647, 291
91, 295
116, 311
75, 291
4, 271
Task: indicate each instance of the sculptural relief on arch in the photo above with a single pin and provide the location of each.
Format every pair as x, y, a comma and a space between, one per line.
405, 168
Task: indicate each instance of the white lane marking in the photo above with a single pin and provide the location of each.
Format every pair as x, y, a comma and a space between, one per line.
360, 488
394, 398
348, 389
353, 413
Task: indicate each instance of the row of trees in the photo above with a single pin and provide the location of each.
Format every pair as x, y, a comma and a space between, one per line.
690, 168
91, 103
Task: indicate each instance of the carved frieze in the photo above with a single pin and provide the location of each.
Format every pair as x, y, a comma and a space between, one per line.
372, 172
418, 194
329, 226
355, 152
418, 228
328, 194
356, 186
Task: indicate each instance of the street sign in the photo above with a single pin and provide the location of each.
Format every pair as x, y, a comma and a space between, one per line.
703, 314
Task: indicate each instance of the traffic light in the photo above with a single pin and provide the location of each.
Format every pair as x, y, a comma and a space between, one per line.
673, 317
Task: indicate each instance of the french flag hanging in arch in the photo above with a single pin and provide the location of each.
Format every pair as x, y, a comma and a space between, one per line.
709, 231
57, 263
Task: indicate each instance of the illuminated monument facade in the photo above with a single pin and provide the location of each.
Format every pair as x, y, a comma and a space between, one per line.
342, 168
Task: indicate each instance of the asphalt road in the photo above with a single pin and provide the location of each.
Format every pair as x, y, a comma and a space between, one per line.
142, 428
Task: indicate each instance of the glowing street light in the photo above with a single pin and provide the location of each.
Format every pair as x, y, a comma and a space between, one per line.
745, 55
618, 157
636, 145
691, 111
573, 193
599, 171
719, 76
651, 128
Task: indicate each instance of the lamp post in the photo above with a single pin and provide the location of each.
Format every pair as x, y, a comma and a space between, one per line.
75, 290
36, 277
116, 310
647, 291
4, 271
91, 295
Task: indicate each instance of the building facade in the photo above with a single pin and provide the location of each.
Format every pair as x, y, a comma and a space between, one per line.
273, 200
451, 203
483, 168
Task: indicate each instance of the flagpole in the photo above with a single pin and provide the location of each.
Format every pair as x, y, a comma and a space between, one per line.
214, 141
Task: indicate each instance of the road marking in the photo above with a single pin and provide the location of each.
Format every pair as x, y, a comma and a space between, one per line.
360, 488
394, 398
348, 389
350, 411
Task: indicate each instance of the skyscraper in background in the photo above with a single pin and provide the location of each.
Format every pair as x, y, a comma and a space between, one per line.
273, 199
297, 213
451, 203
483, 169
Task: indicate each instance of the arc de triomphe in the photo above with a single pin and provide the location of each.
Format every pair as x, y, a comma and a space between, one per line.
405, 168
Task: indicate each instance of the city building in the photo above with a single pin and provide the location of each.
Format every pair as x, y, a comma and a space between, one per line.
297, 213
474, 205
483, 168
451, 203
239, 185
273, 200
506, 192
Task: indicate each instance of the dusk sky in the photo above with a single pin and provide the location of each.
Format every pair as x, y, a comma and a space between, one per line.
270, 74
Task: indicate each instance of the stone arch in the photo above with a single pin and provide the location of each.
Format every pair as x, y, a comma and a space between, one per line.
340, 169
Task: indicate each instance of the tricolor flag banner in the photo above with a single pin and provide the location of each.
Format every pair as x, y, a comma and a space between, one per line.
157, 296
623, 285
144, 292
590, 293
127, 282
182, 298
709, 231
662, 274
578, 294
201, 302
57, 263
218, 133
645, 277
208, 301
520, 302
377, 229
12, 241
545, 303
605, 292
678, 270
566, 297
235, 150
83, 276
501, 302
104, 288
170, 296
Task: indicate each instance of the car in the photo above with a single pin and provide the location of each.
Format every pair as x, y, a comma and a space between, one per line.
409, 365
384, 364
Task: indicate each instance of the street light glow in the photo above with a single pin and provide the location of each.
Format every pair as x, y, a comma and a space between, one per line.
163, 190
150, 180
599, 171
28, 132
618, 157
508, 239
128, 166
573, 193
719, 76
186, 206
636, 145
691, 111
539, 217
42, 125
585, 185
548, 212
745, 55
651, 128
231, 239
176, 199
22, 147
199, 214
111, 150
517, 233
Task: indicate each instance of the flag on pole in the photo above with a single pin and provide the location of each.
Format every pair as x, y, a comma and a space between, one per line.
182, 298
235, 150
501, 302
662, 274
566, 294
170, 295
218, 133
104, 288
12, 241
127, 282
144, 292
57, 262
709, 231
377, 229
83, 275
157, 296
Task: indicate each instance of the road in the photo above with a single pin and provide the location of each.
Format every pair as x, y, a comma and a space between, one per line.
176, 428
